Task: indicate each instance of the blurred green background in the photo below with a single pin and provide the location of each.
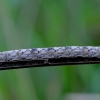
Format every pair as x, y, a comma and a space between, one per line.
48, 23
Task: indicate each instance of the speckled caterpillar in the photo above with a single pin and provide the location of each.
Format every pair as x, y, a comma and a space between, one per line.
50, 56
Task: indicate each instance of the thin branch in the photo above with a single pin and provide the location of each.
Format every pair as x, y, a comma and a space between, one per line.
38, 57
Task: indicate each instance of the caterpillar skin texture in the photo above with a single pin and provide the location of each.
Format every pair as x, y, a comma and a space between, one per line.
50, 53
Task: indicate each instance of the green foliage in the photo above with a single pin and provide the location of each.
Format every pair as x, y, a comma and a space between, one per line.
44, 23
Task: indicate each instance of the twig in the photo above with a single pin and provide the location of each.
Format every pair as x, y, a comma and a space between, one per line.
38, 57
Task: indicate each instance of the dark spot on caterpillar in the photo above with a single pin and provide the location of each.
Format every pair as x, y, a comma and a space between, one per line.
33, 50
